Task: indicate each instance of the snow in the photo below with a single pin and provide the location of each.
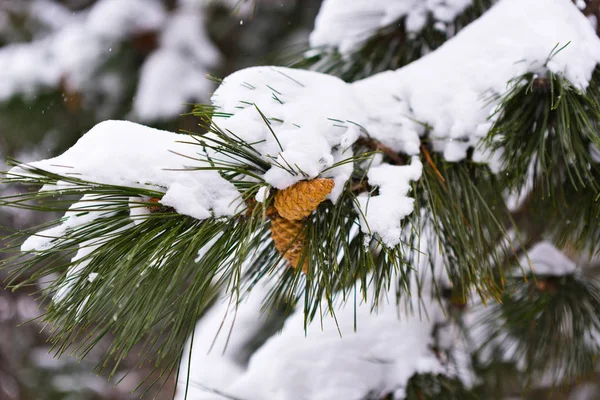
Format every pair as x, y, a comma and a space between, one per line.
315, 119
382, 214
330, 359
72, 47
77, 215
317, 364
346, 23
86, 210
449, 96
50, 14
442, 96
262, 194
323, 365
128, 154
546, 259
448, 89
116, 19
310, 114
92, 34
74, 274
219, 339
176, 73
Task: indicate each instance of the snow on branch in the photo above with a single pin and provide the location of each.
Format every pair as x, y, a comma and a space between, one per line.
346, 23
453, 90
271, 128
131, 155
71, 56
358, 353
176, 72
304, 124
73, 52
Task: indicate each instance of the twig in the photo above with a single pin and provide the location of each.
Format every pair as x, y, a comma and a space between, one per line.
432, 165
375, 145
360, 186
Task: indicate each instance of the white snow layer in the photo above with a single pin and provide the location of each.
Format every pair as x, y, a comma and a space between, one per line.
310, 114
545, 259
448, 89
86, 210
175, 74
77, 215
346, 23
315, 115
314, 118
70, 55
321, 363
217, 356
383, 213
128, 154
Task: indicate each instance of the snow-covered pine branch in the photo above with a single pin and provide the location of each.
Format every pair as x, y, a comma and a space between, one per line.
392, 228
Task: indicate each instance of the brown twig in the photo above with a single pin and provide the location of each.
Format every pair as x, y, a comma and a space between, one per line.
157, 207
432, 165
375, 145
360, 186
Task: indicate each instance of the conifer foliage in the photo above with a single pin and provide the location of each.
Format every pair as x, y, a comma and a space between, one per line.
418, 209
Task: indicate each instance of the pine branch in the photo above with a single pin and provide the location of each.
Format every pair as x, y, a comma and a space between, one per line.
430, 387
547, 324
463, 207
550, 156
388, 48
547, 124
138, 277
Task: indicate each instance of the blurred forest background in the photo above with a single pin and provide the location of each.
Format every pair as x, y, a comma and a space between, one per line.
66, 65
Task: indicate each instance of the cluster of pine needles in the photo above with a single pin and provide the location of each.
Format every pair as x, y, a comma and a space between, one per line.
389, 48
156, 271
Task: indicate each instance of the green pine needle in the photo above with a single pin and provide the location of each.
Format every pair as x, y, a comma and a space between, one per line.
549, 324
390, 48
547, 124
463, 207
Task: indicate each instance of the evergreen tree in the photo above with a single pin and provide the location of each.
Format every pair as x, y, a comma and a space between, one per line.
53, 90
414, 215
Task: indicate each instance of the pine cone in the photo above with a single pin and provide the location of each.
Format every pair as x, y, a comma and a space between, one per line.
289, 235
299, 200
252, 203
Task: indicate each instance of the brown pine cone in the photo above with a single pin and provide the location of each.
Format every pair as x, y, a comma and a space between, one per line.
289, 239
299, 200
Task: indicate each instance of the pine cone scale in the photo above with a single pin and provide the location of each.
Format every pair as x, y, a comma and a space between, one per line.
289, 239
299, 200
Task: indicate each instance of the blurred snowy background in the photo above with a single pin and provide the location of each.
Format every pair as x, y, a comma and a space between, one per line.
65, 65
